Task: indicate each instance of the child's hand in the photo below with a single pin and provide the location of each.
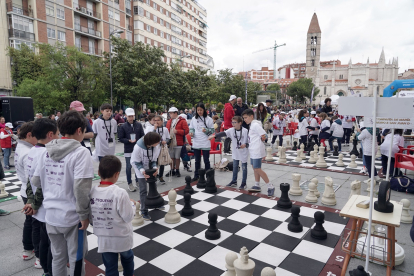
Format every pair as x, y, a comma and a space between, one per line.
133, 201
211, 137
243, 146
263, 137
156, 172
146, 176
84, 224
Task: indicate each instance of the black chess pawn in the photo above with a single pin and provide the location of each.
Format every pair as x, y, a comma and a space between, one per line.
187, 210
361, 154
153, 199
335, 153
294, 224
326, 152
201, 184
212, 233
319, 232
188, 188
360, 271
295, 145
211, 187
284, 200
354, 150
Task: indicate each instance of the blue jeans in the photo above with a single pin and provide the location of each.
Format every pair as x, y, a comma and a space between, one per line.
338, 140
197, 157
6, 156
128, 170
111, 263
236, 171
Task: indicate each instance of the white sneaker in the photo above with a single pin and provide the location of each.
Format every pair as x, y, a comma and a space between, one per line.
37, 263
28, 254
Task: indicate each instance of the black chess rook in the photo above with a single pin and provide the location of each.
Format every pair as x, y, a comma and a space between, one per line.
201, 184
284, 200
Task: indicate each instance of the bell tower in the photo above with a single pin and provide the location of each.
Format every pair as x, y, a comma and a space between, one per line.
313, 48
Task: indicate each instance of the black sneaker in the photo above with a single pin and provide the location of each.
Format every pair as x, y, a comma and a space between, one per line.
172, 172
177, 173
162, 181
232, 184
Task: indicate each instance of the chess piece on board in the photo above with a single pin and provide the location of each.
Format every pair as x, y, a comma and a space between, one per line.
294, 224
120, 267
230, 258
188, 188
358, 272
318, 231
153, 199
310, 147
321, 160
328, 197
325, 154
138, 220
295, 145
278, 151
312, 158
316, 181
405, 215
355, 188
315, 148
3, 192
302, 151
298, 156
201, 184
353, 164
295, 190
268, 271
187, 210
282, 158
212, 233
244, 266
378, 153
354, 150
340, 162
211, 187
269, 156
335, 153
311, 197
284, 200
172, 215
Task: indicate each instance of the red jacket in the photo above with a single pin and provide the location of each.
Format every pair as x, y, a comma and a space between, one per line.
5, 143
228, 115
181, 127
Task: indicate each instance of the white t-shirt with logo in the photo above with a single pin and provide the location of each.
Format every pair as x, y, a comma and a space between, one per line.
280, 124
112, 213
256, 146
58, 180
163, 132
31, 164
141, 155
20, 158
238, 138
104, 130
200, 138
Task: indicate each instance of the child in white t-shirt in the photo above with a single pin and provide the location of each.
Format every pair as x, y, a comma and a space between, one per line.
279, 125
257, 135
105, 128
112, 213
240, 153
397, 144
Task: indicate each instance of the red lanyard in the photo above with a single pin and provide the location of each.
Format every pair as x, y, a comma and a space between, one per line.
106, 183
64, 137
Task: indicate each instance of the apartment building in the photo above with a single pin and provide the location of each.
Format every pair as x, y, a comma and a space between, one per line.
177, 26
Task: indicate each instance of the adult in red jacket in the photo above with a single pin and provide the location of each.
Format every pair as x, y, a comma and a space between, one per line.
228, 116
6, 135
178, 127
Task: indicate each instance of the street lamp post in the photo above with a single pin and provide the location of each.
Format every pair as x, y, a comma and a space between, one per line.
110, 57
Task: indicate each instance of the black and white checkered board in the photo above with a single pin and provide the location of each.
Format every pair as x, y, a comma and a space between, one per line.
330, 161
12, 184
244, 220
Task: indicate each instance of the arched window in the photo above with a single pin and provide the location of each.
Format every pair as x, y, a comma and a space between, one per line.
313, 62
311, 39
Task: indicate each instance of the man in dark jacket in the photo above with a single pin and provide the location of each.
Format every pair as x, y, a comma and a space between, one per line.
239, 107
129, 128
327, 108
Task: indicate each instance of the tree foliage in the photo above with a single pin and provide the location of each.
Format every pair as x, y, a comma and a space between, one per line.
301, 90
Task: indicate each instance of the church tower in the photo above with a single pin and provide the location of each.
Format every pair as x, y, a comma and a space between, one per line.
313, 48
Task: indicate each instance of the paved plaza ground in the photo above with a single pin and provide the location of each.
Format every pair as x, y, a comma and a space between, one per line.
11, 225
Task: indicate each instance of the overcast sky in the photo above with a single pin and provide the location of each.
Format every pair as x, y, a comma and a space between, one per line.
355, 29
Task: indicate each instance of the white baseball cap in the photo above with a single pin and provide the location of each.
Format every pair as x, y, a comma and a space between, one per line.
232, 97
172, 109
10, 125
130, 112
313, 112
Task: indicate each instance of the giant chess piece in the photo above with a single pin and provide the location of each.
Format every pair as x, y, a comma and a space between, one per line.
172, 215
355, 188
405, 215
358, 272
318, 232
383, 203
378, 153
302, 151
188, 188
354, 150
298, 156
316, 181
328, 197
295, 145
310, 147
211, 183
311, 197
284, 201
201, 184
312, 158
321, 160
187, 210
137, 220
325, 154
361, 154
335, 153
282, 158
295, 190
315, 148
268, 271
3, 192
340, 162
269, 156
294, 224
278, 151
230, 258
212, 233
244, 266
353, 164
153, 200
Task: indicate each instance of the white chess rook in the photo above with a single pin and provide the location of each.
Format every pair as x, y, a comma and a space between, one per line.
244, 266
311, 197
230, 258
405, 215
355, 188
295, 188
321, 160
316, 181
340, 162
172, 216
282, 158
3, 192
328, 197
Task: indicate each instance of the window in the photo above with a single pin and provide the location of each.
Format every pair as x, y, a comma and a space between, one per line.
161, 10
162, 46
138, 25
14, 43
22, 24
155, 31
325, 77
168, 48
148, 15
117, 18
155, 18
60, 13
129, 36
162, 34
176, 29
91, 46
175, 51
168, 37
167, 25
161, 22
175, 18
148, 28
138, 11
50, 10
341, 77
148, 41
154, 5
61, 36
110, 14
139, 38
51, 33
147, 1
176, 40
78, 42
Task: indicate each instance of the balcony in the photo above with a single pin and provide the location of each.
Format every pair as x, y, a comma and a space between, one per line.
83, 10
202, 34
128, 12
201, 51
12, 8
87, 31
201, 7
21, 34
129, 27
202, 43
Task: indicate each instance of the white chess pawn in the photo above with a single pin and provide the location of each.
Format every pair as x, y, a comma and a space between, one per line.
3, 192
295, 189
405, 215
282, 158
355, 188
172, 215
137, 220
312, 158
230, 258
269, 156
268, 271
353, 164
311, 197
328, 197
321, 163
316, 181
340, 162
278, 151
298, 156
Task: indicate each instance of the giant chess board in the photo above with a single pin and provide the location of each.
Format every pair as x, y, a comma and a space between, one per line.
251, 220
12, 185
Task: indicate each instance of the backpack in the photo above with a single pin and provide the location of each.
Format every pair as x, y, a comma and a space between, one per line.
402, 184
164, 158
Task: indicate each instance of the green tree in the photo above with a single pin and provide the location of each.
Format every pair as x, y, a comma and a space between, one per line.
252, 87
25, 64
229, 84
301, 90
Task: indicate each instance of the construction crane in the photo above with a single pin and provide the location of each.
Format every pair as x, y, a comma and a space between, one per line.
274, 61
